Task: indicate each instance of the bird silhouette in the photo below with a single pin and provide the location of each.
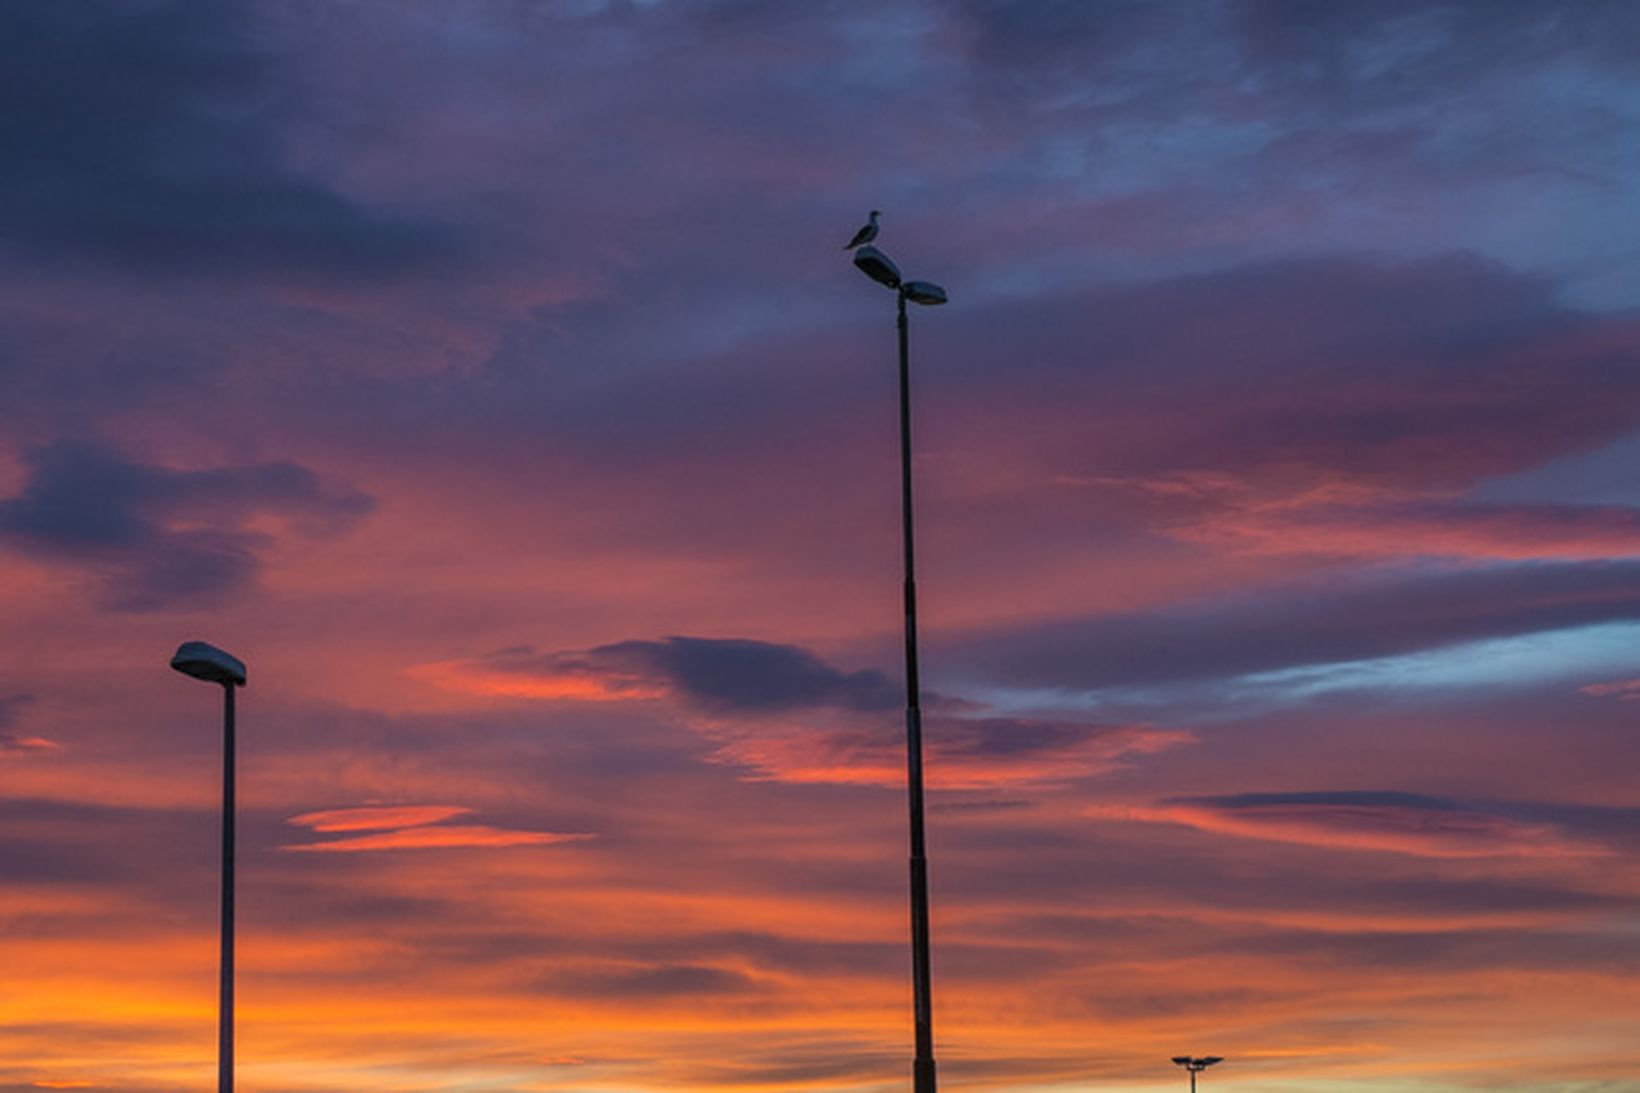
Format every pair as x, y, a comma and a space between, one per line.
865, 234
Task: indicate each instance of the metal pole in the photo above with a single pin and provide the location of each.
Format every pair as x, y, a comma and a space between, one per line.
922, 1068
224, 1049
1192, 1079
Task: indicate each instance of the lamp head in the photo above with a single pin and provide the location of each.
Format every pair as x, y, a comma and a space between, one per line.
876, 265
926, 293
204, 661
1197, 1065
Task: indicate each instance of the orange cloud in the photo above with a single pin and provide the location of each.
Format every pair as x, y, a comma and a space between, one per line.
375, 818
453, 835
414, 827
10, 742
569, 683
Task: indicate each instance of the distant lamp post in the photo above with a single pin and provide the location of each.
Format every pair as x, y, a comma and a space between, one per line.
1196, 1065
208, 663
880, 268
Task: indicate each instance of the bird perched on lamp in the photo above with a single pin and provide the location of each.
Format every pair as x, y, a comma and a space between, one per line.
865, 234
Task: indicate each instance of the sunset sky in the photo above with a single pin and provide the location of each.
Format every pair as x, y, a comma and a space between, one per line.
490, 377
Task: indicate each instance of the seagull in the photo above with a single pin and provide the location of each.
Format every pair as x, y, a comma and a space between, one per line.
865, 234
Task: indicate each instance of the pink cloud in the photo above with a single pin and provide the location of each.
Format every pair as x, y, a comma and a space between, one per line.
1334, 515
1627, 690
786, 715
17, 744
376, 817
1396, 823
961, 754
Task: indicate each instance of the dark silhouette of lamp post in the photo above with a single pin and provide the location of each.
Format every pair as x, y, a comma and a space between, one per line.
1196, 1065
876, 265
207, 662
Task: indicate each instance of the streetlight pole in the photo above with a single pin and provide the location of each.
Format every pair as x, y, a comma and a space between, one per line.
879, 268
212, 665
225, 1007
1196, 1065
922, 1073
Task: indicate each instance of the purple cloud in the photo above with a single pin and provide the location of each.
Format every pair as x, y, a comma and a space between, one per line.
656, 981
1321, 621
163, 537
155, 139
725, 675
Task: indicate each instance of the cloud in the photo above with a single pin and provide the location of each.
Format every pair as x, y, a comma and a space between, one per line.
960, 753
1402, 823
440, 838
649, 982
1440, 44
15, 743
54, 842
1627, 690
11, 742
164, 537
795, 1063
1341, 519
376, 817
1338, 407
1417, 375
156, 138
718, 674
413, 827
1312, 622
786, 715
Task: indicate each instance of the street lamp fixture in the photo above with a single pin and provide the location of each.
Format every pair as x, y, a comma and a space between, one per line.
207, 662
212, 665
926, 293
880, 268
1195, 1065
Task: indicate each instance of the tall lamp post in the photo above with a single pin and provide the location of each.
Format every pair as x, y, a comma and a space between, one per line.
1196, 1065
207, 662
877, 265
